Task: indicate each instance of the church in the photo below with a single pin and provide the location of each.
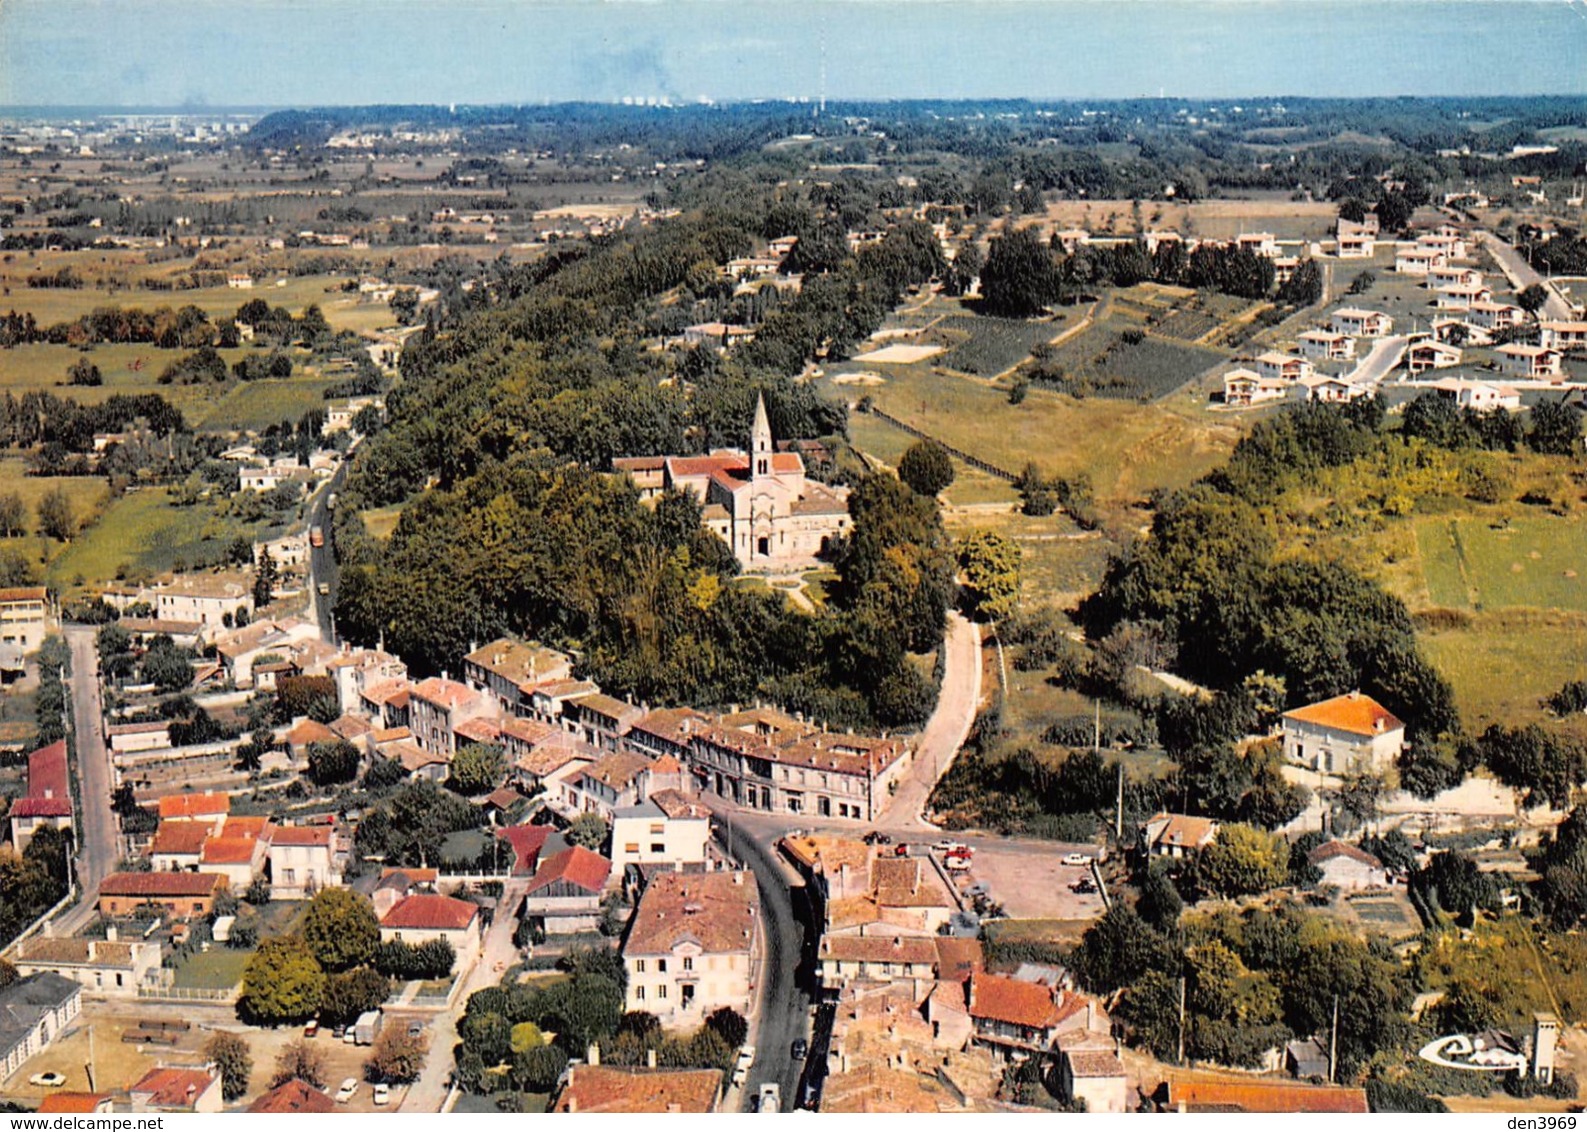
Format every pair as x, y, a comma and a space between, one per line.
760, 503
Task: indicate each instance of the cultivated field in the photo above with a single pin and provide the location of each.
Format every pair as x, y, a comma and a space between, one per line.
1109, 359
1528, 562
989, 346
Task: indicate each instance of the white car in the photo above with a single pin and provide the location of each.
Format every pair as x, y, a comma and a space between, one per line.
47, 1080
746, 1057
382, 1094
348, 1089
770, 1098
957, 864
1076, 859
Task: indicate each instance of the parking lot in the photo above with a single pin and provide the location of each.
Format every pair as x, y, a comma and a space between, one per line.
1032, 883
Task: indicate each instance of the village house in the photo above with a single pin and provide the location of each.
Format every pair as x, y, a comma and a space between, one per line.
760, 502
1445, 241
1261, 243
719, 335
602, 720
1460, 296
1480, 396
268, 477
1355, 241
1348, 734
1493, 317
564, 895
305, 859
1330, 390
1431, 354
290, 551
168, 1089
603, 787
339, 415
437, 706
1554, 334
24, 616
690, 944
34, 1011
387, 703
1095, 1076
843, 959
239, 649
666, 828
176, 846
209, 599
180, 895
356, 669
543, 756
79, 1103
108, 966
1326, 345
1452, 276
596, 1088
1533, 363
509, 671
1418, 260
129, 738
766, 760
1244, 387
211, 809
424, 917
48, 801
548, 702
1177, 835
1275, 366
1205, 1092
665, 731
1347, 867
1359, 323
1017, 1017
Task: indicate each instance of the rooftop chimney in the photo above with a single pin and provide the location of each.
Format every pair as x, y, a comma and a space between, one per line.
650, 1058
593, 1054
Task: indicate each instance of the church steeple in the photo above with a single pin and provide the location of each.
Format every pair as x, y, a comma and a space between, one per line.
760, 440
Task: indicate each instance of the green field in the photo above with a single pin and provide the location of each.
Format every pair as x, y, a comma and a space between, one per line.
1501, 664
1529, 562
1128, 449
142, 531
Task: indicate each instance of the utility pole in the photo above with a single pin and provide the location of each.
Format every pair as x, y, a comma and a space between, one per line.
1118, 819
1180, 1057
1333, 1044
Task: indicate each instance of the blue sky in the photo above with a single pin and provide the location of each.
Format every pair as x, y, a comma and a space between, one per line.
320, 52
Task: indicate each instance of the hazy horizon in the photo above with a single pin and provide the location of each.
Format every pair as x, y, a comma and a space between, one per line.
199, 54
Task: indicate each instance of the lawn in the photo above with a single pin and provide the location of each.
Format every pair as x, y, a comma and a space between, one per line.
381, 521
1127, 449
219, 968
143, 531
1531, 561
258, 404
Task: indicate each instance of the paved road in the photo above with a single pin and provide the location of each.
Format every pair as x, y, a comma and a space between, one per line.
787, 958
100, 851
429, 1092
322, 560
945, 731
1521, 275
1384, 355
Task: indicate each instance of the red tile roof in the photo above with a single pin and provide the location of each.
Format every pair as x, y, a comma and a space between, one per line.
716, 910
174, 1088
229, 850
1094, 1063
1262, 1096
478, 731
879, 949
526, 842
310, 731
302, 835
295, 1095
1328, 850
183, 838
195, 805
48, 777
597, 1088
1352, 712
576, 865
41, 808
161, 884
999, 998
428, 912
444, 693
73, 1102
22, 593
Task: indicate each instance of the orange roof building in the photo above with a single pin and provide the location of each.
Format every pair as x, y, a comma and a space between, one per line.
1206, 1093
194, 807
426, 916
1348, 734
296, 1095
597, 1088
169, 1089
75, 1103
688, 946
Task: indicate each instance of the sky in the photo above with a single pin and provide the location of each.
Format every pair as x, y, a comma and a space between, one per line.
254, 53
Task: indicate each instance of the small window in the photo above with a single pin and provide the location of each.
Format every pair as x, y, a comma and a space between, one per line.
630, 847
661, 965
639, 994
688, 962
661, 992
639, 966
657, 847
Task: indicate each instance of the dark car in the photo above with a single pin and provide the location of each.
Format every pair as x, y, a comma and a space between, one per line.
799, 1048
901, 850
877, 837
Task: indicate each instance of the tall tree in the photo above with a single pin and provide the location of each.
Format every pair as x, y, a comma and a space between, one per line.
340, 929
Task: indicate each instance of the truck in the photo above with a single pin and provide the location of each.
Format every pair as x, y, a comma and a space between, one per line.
367, 1028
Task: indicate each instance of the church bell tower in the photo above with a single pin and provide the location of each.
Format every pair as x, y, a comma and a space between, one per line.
760, 441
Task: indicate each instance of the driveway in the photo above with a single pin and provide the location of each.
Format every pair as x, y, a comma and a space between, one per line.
1379, 361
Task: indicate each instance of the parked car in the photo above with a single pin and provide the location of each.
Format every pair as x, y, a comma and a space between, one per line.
770, 1099
746, 1057
1083, 885
324, 588
740, 1075
877, 837
382, 1093
347, 1091
1076, 859
901, 850
979, 888
415, 1029
312, 1030
948, 845
338, 1031
47, 1080
799, 1049
957, 864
